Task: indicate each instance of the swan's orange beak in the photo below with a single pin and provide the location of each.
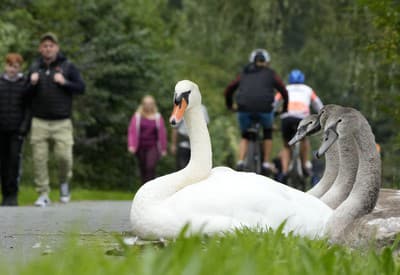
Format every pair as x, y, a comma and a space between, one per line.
178, 112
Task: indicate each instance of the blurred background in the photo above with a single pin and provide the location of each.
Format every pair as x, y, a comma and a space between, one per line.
349, 51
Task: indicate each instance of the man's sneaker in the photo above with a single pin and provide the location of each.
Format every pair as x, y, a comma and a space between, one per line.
43, 200
282, 178
65, 196
267, 169
307, 169
240, 166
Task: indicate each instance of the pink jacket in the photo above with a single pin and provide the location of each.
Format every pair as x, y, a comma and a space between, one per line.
134, 131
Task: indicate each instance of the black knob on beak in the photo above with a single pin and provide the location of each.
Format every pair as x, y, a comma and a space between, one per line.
173, 122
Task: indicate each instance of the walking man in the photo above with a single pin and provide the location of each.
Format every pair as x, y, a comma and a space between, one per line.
55, 81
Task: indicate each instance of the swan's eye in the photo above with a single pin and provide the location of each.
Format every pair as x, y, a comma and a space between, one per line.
184, 95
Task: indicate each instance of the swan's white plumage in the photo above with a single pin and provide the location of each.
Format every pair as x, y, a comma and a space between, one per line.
228, 199
219, 199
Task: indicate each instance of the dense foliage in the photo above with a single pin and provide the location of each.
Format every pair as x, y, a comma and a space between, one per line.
125, 49
241, 252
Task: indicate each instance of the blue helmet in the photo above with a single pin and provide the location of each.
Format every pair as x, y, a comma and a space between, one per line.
296, 76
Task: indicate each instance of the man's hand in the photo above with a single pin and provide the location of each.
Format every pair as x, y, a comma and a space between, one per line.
233, 109
59, 78
132, 150
34, 78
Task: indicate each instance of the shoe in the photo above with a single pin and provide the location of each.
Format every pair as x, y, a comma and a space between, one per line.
240, 166
65, 196
267, 169
307, 169
10, 201
43, 200
282, 178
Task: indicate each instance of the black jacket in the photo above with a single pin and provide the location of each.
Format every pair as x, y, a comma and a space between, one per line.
14, 105
51, 100
257, 87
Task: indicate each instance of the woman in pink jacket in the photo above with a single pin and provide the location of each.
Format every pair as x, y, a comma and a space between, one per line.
147, 137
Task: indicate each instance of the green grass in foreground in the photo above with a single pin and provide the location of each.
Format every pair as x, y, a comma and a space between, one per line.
27, 195
242, 252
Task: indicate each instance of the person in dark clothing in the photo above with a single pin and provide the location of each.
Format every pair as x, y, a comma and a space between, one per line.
55, 82
256, 84
14, 125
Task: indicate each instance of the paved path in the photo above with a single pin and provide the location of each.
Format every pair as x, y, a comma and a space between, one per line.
29, 231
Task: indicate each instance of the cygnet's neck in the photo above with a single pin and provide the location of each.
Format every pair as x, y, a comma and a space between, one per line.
330, 173
368, 182
365, 191
346, 176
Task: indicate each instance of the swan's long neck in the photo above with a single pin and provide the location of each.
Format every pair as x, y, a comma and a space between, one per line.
346, 176
365, 191
330, 173
198, 169
200, 164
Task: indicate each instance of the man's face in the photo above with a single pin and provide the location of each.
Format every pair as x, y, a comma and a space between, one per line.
48, 49
12, 69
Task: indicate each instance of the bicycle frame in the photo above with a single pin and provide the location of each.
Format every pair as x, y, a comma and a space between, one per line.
254, 157
296, 176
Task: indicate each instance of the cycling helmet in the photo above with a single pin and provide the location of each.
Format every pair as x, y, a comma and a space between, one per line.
296, 76
259, 55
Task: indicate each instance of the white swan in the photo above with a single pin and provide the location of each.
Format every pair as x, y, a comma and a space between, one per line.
309, 126
219, 199
346, 126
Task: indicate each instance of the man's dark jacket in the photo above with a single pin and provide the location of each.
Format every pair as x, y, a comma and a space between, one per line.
50, 100
256, 92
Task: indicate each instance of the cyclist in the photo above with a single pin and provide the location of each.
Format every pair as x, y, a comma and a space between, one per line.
301, 97
255, 98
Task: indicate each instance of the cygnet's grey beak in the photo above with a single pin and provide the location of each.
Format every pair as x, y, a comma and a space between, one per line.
308, 129
300, 134
329, 138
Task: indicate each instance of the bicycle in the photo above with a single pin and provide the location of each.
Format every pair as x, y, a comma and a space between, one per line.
254, 157
295, 175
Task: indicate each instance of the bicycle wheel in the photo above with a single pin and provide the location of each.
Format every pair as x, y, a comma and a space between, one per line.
253, 159
300, 180
296, 177
250, 163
